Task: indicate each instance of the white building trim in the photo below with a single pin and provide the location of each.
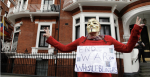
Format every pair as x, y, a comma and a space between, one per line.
35, 49
129, 57
130, 15
117, 25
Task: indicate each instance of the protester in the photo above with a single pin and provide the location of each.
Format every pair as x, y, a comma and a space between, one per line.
140, 45
93, 28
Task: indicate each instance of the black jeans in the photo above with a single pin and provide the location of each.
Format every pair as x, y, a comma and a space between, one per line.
141, 52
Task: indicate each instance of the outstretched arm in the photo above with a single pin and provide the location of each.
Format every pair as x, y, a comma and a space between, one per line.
64, 48
135, 34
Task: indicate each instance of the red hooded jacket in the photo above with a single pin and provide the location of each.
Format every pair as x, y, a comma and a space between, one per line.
135, 34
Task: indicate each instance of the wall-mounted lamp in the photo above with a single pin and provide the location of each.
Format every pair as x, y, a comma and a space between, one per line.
144, 21
26, 51
21, 23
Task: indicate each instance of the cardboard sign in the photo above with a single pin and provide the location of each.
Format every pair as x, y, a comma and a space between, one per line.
96, 59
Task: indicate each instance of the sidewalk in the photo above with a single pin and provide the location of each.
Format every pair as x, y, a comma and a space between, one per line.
21, 75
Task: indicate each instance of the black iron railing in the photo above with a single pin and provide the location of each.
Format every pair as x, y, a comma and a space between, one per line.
44, 64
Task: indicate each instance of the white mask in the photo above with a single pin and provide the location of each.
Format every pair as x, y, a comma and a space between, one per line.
93, 26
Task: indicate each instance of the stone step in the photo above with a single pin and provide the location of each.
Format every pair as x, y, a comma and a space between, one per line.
145, 71
144, 74
144, 68
145, 64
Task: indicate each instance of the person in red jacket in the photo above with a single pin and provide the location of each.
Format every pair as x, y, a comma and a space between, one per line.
93, 28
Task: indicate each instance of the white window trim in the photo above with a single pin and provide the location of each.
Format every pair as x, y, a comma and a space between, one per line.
42, 3
35, 49
8, 4
117, 25
15, 26
97, 15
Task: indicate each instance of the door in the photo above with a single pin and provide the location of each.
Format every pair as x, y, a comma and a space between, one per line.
46, 6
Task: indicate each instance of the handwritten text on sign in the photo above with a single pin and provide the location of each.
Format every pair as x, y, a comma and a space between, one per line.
98, 59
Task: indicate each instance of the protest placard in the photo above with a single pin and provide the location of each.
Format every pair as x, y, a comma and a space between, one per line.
96, 59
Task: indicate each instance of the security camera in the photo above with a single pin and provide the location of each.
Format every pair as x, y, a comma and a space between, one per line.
21, 23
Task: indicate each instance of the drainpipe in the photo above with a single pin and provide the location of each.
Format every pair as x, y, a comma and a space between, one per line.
57, 40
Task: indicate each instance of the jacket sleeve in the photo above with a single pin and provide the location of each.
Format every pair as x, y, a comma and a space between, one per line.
64, 48
135, 34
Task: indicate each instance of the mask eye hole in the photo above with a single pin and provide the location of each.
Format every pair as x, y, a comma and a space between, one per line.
94, 23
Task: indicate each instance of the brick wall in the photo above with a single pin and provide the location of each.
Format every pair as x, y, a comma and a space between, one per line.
65, 31
24, 66
27, 36
134, 5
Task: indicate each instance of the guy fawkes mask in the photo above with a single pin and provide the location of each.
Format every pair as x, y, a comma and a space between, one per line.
93, 26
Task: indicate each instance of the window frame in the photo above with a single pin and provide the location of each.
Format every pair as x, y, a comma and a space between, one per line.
82, 16
39, 30
117, 28
15, 31
42, 31
42, 5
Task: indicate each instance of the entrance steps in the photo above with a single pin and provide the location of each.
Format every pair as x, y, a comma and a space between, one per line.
144, 69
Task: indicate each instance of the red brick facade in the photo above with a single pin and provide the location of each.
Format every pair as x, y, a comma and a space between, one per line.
28, 35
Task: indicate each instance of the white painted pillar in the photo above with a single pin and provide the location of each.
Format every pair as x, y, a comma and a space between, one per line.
127, 62
112, 26
82, 25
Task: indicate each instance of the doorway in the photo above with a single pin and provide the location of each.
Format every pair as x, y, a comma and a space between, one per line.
145, 39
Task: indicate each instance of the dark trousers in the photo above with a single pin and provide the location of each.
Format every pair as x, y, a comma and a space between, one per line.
141, 52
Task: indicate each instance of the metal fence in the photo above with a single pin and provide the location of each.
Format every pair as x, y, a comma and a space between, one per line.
44, 64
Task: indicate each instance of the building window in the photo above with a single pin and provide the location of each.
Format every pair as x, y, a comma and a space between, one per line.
24, 4
41, 67
116, 28
104, 19
42, 40
79, 29
87, 18
47, 5
86, 33
116, 33
77, 20
48, 2
15, 37
5, 14
105, 30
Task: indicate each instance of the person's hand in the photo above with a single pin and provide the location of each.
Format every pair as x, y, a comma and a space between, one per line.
136, 44
138, 22
47, 34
